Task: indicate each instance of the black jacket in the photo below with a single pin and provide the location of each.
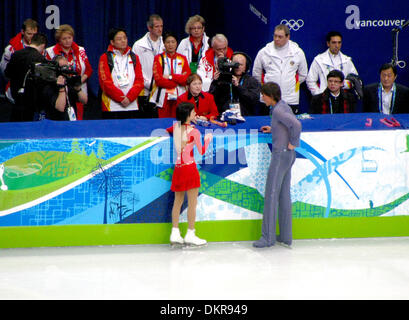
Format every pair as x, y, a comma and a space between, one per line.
18, 66
48, 98
344, 103
247, 94
371, 100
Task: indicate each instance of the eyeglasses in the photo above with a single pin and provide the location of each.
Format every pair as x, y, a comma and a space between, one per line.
196, 28
334, 81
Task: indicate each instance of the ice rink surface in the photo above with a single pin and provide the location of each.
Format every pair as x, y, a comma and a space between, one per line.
370, 268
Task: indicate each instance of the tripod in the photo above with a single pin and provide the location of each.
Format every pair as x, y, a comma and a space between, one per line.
395, 35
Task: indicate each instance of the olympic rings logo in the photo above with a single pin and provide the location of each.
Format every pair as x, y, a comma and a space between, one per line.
292, 24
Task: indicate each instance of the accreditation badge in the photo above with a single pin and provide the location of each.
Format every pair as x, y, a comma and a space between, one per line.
71, 114
234, 106
123, 80
172, 93
193, 67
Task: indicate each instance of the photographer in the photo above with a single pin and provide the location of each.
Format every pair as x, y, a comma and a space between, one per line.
23, 91
207, 67
57, 97
235, 87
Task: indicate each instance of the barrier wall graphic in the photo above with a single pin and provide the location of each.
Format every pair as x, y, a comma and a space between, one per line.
127, 180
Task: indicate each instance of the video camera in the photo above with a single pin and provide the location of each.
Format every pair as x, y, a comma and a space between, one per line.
49, 72
226, 68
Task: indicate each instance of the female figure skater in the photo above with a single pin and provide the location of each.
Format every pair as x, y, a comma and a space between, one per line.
186, 176
285, 131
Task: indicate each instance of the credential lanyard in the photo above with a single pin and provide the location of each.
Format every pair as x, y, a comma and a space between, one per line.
333, 65
126, 68
330, 105
22, 42
380, 105
231, 89
152, 47
74, 60
170, 65
199, 56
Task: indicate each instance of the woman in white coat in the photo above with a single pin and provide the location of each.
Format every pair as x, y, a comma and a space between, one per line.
194, 46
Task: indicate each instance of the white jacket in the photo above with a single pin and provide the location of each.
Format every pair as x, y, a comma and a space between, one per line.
5, 59
322, 65
144, 50
185, 47
288, 72
206, 71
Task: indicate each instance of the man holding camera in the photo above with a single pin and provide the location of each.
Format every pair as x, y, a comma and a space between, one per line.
235, 87
22, 90
59, 99
207, 68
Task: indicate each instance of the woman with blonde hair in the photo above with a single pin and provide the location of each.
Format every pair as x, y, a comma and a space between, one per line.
194, 46
75, 55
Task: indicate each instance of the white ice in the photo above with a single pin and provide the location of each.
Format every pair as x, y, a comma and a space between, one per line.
372, 268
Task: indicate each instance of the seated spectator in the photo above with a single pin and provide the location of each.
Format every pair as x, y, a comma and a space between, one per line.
242, 90
386, 96
75, 55
120, 78
56, 98
334, 99
194, 46
205, 106
207, 68
170, 72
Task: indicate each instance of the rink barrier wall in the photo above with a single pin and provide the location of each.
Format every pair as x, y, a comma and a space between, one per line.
348, 183
212, 231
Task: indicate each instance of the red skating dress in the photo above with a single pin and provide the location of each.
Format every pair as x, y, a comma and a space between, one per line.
186, 176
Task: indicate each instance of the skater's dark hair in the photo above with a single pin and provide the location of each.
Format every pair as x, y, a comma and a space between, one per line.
183, 111
271, 90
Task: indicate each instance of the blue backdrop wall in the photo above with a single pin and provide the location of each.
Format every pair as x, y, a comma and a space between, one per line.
365, 25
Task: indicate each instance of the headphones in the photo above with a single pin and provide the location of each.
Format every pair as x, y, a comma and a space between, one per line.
248, 59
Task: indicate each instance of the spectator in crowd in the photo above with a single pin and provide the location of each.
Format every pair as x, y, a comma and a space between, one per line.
207, 68
20, 41
23, 91
285, 132
334, 99
75, 55
332, 59
194, 46
146, 48
205, 107
170, 72
243, 90
57, 97
282, 61
387, 96
120, 78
